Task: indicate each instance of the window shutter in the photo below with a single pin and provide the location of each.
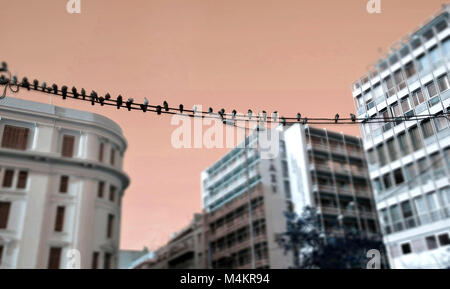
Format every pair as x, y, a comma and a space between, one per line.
54, 258
4, 214
15, 137
59, 219
100, 154
22, 182
68, 146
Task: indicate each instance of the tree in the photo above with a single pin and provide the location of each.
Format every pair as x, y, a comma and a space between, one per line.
312, 248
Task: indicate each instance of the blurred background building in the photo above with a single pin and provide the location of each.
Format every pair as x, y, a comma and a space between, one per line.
409, 161
128, 259
61, 186
183, 251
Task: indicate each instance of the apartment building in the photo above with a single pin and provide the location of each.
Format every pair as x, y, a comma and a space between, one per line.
314, 167
61, 187
183, 251
409, 161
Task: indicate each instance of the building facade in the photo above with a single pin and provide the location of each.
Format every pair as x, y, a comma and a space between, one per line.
313, 168
183, 251
409, 161
61, 187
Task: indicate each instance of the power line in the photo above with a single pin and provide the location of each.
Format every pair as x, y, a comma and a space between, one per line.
13, 84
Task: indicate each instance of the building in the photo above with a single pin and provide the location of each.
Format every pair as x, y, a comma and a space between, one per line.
313, 167
183, 251
61, 187
409, 161
128, 259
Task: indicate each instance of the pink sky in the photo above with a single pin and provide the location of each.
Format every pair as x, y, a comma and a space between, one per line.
288, 55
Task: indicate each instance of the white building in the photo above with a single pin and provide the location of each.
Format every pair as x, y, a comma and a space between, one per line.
61, 186
312, 167
409, 161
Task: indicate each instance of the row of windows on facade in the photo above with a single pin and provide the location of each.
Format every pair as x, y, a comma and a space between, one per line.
431, 244
55, 254
416, 43
421, 210
359, 186
242, 257
397, 80
22, 179
236, 214
346, 203
5, 212
15, 137
414, 173
238, 236
332, 225
334, 145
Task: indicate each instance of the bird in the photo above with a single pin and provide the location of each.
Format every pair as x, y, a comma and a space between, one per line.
4, 67
144, 105
158, 109
119, 101
44, 86
221, 113
353, 117
83, 93
274, 116
64, 91
101, 99
107, 96
94, 97
210, 110
14, 80
234, 113
305, 120
250, 114
283, 121
299, 117
181, 108
166, 106
25, 83
74, 92
129, 103
194, 109
35, 84
55, 88
336, 118
264, 113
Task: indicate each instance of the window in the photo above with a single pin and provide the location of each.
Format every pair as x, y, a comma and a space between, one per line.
396, 218
381, 156
387, 181
421, 210
431, 242
440, 122
444, 240
417, 97
427, 128
4, 214
112, 193
112, 156
107, 261
443, 83
405, 104
410, 70
392, 150
378, 186
22, 181
109, 232
100, 152
424, 65
68, 146
398, 76
95, 256
59, 222
101, 189
408, 214
54, 258
63, 184
431, 89
432, 204
15, 137
398, 176
8, 178
406, 249
402, 142
415, 138
446, 46
371, 156
396, 110
434, 55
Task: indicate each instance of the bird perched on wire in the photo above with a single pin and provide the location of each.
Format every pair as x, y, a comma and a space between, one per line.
299, 117
94, 97
64, 91
119, 101
275, 116
166, 106
129, 103
181, 108
144, 106
353, 117
25, 83
83, 93
264, 113
74, 92
336, 118
250, 114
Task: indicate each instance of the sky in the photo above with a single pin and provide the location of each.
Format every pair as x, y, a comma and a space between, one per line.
290, 56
